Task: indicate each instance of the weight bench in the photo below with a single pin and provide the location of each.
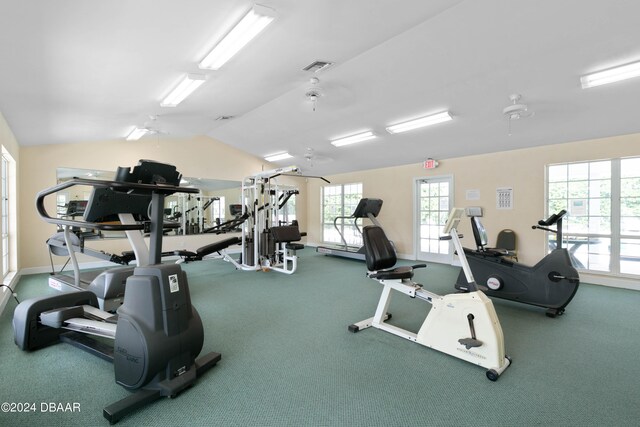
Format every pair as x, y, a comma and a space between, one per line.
200, 253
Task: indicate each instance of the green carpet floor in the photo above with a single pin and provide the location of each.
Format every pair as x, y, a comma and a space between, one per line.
288, 359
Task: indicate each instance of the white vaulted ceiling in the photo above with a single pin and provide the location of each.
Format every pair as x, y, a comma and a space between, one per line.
82, 71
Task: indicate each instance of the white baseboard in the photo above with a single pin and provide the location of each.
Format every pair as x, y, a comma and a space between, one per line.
83, 266
611, 281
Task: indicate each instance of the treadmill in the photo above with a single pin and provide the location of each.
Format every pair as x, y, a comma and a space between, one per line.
367, 208
108, 285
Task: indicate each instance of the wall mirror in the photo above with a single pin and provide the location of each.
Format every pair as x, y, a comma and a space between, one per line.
208, 211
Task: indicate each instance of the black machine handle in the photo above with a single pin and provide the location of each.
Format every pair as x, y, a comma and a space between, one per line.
115, 185
556, 219
552, 219
448, 237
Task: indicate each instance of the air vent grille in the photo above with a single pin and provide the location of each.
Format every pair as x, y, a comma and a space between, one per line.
316, 66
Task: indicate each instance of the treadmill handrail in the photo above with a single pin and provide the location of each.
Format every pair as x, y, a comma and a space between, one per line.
151, 188
335, 225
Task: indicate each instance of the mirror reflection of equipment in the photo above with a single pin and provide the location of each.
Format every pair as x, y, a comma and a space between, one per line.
202, 210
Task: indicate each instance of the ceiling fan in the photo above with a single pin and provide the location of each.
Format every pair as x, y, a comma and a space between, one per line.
314, 158
326, 94
152, 126
313, 92
516, 110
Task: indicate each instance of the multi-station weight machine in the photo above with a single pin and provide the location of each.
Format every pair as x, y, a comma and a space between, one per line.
268, 242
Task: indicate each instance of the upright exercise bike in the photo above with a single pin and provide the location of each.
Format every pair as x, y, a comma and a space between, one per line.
551, 283
463, 325
157, 333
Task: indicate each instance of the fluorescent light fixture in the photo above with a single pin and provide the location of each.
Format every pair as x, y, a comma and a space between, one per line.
250, 26
185, 88
359, 137
278, 156
136, 134
611, 75
420, 122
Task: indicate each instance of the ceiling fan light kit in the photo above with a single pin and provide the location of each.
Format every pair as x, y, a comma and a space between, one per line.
516, 110
313, 92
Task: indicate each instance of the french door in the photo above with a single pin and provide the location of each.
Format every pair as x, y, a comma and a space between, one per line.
434, 200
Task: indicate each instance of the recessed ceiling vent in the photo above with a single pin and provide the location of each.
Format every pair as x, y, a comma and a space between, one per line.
316, 66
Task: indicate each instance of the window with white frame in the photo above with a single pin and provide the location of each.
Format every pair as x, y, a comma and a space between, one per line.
287, 213
340, 201
602, 198
7, 194
5, 215
217, 211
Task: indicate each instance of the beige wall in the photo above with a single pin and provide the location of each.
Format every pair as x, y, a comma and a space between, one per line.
523, 170
196, 157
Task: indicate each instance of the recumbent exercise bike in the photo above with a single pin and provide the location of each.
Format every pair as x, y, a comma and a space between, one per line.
463, 325
551, 283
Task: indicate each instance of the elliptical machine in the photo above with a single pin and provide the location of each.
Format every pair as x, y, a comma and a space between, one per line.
157, 333
551, 283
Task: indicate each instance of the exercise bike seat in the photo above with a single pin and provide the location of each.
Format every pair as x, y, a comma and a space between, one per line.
404, 272
381, 256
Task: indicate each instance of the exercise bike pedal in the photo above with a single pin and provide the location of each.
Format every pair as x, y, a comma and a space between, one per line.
473, 341
470, 342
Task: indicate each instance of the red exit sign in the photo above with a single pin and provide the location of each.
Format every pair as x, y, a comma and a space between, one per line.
430, 164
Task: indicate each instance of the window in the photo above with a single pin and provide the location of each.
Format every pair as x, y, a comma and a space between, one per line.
630, 216
287, 213
5, 215
340, 201
61, 203
602, 198
217, 210
7, 194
